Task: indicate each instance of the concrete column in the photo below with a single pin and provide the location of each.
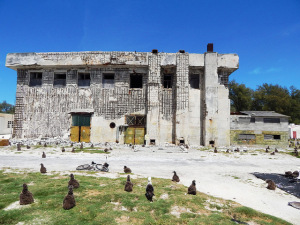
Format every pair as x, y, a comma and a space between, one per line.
211, 97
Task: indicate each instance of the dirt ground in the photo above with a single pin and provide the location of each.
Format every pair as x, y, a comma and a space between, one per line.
224, 175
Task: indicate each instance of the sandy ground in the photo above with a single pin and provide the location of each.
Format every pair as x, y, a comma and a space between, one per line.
224, 175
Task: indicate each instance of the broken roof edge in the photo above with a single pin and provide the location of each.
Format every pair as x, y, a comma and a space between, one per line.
264, 114
98, 58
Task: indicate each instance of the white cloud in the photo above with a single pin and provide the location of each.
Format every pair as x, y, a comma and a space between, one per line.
260, 70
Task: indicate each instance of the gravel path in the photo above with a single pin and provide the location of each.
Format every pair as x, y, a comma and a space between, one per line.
225, 175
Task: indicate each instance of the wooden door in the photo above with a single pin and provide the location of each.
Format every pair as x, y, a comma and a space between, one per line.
139, 136
74, 135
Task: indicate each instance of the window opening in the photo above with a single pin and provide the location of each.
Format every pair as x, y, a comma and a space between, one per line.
271, 137
271, 120
252, 120
136, 81
59, 79
108, 81
194, 81
84, 79
181, 141
10, 124
112, 125
167, 81
152, 141
246, 136
35, 79
81, 119
136, 120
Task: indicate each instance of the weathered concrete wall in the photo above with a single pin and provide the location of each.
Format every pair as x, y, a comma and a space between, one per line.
6, 126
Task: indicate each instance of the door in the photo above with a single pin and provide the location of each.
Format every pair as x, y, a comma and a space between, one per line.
80, 129
135, 135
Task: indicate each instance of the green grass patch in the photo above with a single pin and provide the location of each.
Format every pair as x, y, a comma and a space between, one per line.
91, 150
101, 200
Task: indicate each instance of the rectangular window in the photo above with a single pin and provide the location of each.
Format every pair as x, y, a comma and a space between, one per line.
136, 81
246, 136
108, 81
194, 81
84, 79
10, 124
271, 137
81, 119
59, 80
167, 81
244, 120
252, 120
35, 79
271, 120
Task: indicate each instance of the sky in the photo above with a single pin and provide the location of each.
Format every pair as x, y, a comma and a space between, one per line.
264, 33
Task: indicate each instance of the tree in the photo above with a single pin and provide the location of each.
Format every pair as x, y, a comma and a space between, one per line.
295, 105
240, 97
6, 107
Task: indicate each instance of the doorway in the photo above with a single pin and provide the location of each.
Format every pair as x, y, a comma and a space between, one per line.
81, 127
135, 132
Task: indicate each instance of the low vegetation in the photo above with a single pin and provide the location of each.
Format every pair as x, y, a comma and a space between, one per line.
101, 200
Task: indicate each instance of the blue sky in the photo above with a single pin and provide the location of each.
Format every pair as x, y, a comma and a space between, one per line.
265, 33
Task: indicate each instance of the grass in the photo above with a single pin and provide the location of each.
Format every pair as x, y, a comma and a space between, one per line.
101, 200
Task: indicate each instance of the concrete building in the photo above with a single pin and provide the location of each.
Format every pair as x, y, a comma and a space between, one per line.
259, 127
128, 97
6, 125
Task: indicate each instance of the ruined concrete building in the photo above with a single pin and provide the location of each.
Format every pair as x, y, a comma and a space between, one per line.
125, 97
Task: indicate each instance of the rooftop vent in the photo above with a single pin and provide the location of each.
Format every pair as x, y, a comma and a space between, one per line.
154, 51
210, 47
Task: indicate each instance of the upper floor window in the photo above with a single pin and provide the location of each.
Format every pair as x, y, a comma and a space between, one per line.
108, 81
194, 81
271, 120
10, 124
35, 79
167, 81
59, 79
84, 79
136, 81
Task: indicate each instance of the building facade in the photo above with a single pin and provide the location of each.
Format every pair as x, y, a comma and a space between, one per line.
6, 125
259, 127
125, 97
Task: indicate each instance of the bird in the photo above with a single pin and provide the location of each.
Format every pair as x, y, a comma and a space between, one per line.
63, 149
175, 177
296, 153
128, 185
71, 145
44, 155
92, 146
73, 182
106, 150
81, 145
27, 146
192, 188
215, 150
276, 150
295, 174
237, 150
227, 151
73, 150
288, 174
43, 169
69, 200
127, 169
268, 147
149, 190
267, 150
18, 147
45, 145
26, 196
272, 153
271, 184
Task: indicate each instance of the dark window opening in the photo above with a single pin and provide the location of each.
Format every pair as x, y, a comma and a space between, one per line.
181, 141
271, 120
35, 79
59, 79
246, 136
194, 81
136, 120
112, 125
136, 81
252, 120
271, 137
84, 79
152, 141
167, 81
108, 81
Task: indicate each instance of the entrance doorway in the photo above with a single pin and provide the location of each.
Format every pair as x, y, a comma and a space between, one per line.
135, 132
81, 127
